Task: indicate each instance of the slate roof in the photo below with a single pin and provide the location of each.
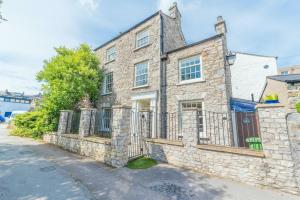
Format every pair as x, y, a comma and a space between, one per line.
291, 78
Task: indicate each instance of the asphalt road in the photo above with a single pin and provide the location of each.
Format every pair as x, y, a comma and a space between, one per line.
31, 170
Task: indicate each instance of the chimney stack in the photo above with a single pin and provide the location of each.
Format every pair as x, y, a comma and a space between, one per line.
220, 26
174, 12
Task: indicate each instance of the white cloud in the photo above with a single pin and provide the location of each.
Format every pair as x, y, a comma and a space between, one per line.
90, 4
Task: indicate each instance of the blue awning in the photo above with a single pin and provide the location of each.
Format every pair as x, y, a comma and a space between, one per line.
241, 105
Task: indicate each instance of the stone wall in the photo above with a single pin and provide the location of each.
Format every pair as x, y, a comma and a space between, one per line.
274, 167
96, 148
293, 122
211, 89
293, 90
123, 67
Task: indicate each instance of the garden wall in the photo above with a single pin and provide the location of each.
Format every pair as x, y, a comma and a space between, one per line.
96, 148
277, 166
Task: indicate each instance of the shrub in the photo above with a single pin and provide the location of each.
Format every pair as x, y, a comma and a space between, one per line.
30, 124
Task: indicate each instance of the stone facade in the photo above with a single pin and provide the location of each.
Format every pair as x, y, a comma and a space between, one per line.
211, 90
166, 47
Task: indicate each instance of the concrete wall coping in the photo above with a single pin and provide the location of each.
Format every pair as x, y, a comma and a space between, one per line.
224, 149
94, 139
164, 141
271, 105
66, 111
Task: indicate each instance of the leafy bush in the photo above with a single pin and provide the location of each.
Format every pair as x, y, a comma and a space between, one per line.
66, 78
29, 124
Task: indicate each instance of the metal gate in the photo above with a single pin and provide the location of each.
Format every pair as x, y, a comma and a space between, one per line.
140, 121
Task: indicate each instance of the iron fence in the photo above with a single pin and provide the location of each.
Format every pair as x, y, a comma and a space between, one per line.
214, 128
75, 122
218, 129
103, 123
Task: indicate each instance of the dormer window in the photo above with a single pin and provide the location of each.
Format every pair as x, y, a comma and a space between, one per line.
142, 38
111, 54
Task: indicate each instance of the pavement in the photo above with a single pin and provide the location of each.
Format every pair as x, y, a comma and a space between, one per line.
33, 170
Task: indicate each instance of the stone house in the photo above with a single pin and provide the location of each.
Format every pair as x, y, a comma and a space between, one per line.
150, 67
295, 69
287, 87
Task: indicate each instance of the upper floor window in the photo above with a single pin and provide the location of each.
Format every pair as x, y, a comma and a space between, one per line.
284, 73
141, 74
111, 54
142, 38
190, 68
107, 83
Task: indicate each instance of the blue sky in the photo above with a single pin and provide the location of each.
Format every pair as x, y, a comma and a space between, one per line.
34, 27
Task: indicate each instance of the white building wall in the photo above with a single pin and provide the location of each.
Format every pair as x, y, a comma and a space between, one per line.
12, 106
248, 75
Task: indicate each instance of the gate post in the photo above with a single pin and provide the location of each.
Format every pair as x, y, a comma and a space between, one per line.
120, 135
87, 121
65, 120
189, 128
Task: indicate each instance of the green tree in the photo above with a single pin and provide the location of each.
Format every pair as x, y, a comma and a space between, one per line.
66, 79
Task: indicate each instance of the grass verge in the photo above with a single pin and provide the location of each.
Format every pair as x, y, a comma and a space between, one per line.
141, 163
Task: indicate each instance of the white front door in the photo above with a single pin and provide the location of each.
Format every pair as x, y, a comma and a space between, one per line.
144, 102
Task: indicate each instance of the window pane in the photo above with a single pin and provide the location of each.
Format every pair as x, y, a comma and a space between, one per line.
141, 74
190, 68
142, 38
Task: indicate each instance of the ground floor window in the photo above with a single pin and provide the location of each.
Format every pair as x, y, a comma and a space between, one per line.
105, 118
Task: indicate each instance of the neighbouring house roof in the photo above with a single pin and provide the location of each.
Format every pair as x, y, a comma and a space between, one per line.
252, 54
291, 78
289, 67
133, 27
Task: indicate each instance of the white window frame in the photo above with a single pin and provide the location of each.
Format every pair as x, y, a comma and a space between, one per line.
284, 73
142, 35
103, 118
105, 83
111, 54
135, 73
201, 78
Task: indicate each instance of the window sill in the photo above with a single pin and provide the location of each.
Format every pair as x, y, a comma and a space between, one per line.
105, 94
190, 82
139, 87
138, 48
107, 62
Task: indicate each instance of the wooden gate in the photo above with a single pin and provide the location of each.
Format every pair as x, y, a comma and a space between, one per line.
247, 126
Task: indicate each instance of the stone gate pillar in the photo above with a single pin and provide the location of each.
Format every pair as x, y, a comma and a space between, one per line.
65, 120
280, 167
120, 135
189, 128
87, 121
